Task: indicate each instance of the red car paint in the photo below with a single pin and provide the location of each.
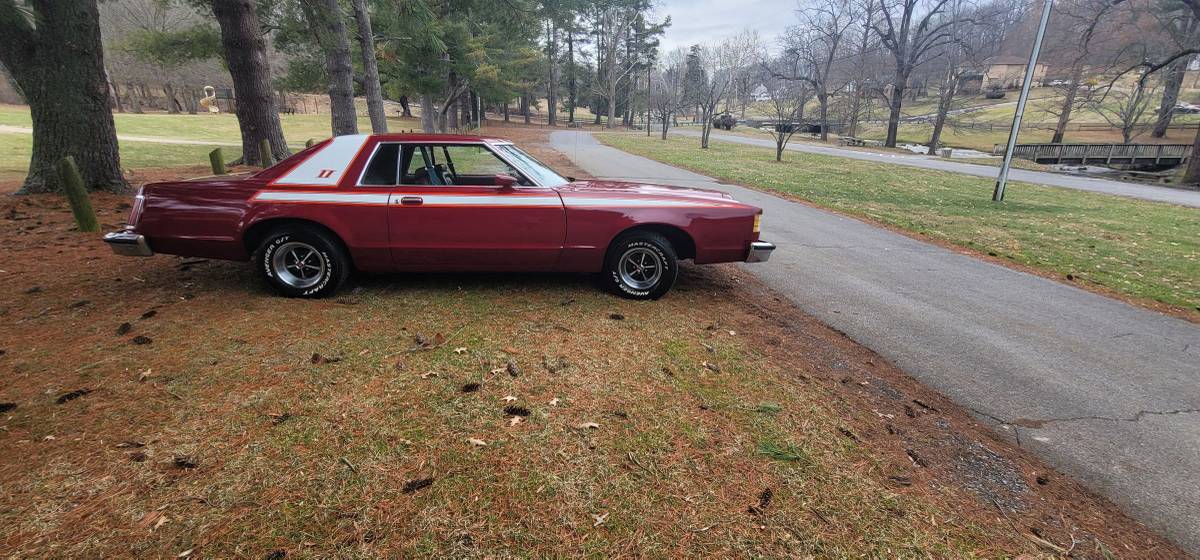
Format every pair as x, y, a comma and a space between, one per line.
563, 228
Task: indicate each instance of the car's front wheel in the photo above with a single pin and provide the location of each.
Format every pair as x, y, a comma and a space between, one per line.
302, 262
641, 265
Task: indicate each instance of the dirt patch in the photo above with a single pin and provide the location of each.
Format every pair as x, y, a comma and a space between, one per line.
719, 421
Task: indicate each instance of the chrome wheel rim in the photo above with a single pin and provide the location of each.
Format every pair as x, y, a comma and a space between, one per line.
298, 265
640, 268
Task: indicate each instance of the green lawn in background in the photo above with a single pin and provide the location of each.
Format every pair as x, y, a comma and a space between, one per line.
1138, 248
15, 147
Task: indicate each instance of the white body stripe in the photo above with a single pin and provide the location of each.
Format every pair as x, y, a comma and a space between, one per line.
478, 200
483, 200
325, 168
637, 202
309, 196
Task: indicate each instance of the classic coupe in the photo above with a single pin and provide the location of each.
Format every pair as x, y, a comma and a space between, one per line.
412, 202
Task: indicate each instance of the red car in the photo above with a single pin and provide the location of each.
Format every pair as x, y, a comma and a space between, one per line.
412, 202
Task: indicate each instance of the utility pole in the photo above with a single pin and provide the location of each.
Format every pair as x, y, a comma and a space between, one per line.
998, 193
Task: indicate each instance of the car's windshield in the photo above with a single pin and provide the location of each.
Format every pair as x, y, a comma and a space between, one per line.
533, 168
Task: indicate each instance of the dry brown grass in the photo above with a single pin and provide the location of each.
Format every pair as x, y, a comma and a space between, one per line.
703, 401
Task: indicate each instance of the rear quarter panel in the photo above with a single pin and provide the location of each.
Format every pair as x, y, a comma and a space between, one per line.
196, 218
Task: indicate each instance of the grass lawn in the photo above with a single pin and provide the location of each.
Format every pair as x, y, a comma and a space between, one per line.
15, 148
1136, 248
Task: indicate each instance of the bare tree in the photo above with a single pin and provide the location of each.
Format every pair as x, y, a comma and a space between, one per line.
1150, 66
667, 90
910, 30
818, 42
1125, 109
786, 98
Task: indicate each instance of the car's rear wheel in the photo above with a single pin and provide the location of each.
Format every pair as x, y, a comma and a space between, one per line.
641, 265
303, 262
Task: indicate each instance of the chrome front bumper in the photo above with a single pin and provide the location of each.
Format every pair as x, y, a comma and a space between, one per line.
760, 251
128, 244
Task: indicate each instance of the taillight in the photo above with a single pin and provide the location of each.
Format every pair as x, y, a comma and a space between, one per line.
758, 223
139, 203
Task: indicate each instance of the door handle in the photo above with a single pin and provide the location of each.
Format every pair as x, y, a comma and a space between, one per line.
411, 200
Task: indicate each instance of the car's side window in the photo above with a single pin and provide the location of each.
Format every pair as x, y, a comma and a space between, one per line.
418, 167
473, 165
381, 170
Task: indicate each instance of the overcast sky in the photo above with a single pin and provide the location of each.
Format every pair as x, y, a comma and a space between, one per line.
700, 21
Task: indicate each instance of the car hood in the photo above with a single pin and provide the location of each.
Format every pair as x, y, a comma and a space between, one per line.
626, 188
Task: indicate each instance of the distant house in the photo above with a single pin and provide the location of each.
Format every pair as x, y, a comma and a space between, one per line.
1008, 72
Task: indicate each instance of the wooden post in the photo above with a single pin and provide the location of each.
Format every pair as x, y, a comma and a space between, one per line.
77, 195
264, 153
217, 159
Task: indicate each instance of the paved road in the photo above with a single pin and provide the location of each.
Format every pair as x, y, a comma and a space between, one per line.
1104, 391
1147, 192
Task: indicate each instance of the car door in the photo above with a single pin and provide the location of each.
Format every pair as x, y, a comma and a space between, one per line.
448, 213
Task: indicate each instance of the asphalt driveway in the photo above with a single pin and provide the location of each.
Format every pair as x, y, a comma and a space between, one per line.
1104, 391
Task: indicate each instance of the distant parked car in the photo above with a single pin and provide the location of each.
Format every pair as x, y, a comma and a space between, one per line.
1187, 108
994, 93
438, 203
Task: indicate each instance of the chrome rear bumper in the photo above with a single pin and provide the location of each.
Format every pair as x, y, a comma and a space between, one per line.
128, 244
760, 251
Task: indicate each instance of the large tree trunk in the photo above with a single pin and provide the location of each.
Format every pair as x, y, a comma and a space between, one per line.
1172, 81
1068, 105
823, 99
325, 20
1192, 174
428, 124
59, 65
894, 103
552, 79
939, 122
246, 57
371, 88
612, 90
112, 91
572, 99
172, 103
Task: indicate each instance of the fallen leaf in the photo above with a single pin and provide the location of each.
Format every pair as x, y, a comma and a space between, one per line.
600, 519
460, 350
509, 398
185, 553
49, 438
429, 374
129, 444
514, 421
497, 371
476, 442
588, 425
711, 367
554, 401
162, 520
145, 374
